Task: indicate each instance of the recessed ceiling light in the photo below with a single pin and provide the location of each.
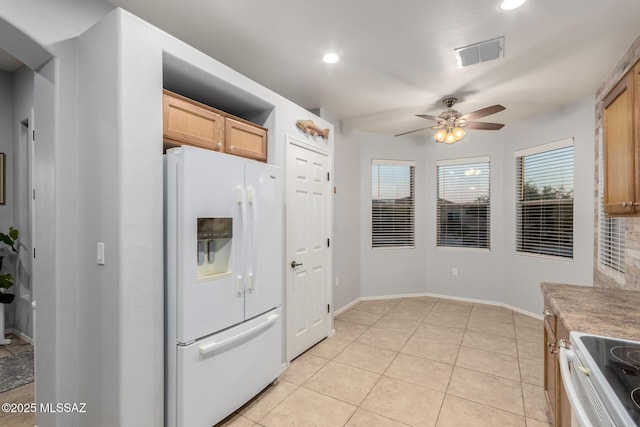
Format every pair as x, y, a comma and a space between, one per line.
331, 58
511, 4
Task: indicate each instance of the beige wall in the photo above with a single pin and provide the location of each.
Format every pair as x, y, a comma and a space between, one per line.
632, 224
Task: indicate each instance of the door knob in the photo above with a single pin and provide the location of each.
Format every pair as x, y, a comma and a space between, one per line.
295, 264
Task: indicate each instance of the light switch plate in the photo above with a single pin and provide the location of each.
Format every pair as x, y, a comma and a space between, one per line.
100, 253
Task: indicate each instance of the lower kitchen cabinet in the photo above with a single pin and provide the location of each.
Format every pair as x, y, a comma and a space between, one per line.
563, 408
554, 334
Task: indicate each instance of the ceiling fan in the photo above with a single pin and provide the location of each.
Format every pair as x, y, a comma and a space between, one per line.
450, 124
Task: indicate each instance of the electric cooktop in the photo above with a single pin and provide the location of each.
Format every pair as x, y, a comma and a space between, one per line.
619, 363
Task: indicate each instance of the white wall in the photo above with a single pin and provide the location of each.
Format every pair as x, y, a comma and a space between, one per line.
497, 275
347, 217
392, 271
523, 274
6, 146
479, 271
120, 195
22, 105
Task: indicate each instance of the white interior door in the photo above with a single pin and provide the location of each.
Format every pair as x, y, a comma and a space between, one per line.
308, 261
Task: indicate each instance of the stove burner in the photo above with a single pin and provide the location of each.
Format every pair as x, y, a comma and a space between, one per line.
629, 355
635, 396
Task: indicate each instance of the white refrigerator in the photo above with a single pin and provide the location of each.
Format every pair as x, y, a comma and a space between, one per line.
223, 282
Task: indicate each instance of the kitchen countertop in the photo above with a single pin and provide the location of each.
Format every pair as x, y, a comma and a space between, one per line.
609, 312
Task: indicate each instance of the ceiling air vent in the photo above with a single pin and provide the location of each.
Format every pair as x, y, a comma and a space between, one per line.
480, 52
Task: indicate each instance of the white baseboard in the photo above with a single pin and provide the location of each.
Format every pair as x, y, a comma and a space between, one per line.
446, 297
346, 307
21, 335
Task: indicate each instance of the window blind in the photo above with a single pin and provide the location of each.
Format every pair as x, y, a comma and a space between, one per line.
392, 203
611, 233
544, 200
463, 203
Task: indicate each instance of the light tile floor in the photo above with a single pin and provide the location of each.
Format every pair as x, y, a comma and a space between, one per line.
412, 362
398, 362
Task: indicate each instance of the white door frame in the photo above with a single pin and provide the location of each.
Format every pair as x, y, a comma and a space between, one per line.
290, 140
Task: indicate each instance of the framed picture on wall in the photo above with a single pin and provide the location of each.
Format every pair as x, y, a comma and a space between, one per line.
2, 178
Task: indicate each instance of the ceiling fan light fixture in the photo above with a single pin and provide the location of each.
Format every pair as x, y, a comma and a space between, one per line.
450, 139
511, 4
440, 135
458, 133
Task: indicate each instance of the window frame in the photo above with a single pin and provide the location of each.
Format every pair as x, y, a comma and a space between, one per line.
519, 202
615, 222
411, 241
461, 162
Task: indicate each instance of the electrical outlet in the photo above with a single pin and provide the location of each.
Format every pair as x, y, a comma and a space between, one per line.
454, 272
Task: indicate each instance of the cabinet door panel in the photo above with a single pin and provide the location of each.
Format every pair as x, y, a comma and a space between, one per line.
619, 148
550, 365
246, 140
563, 408
185, 122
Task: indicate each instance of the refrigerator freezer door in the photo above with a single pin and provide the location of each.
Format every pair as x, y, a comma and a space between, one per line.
205, 185
263, 267
217, 375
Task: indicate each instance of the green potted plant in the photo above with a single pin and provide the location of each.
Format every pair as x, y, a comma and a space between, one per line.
6, 280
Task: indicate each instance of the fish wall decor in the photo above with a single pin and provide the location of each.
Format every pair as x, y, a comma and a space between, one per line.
311, 128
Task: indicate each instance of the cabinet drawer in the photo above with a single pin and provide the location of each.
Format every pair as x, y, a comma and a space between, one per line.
188, 122
244, 139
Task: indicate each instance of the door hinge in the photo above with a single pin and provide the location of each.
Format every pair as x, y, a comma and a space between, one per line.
33, 135
328, 243
328, 176
34, 194
34, 252
328, 308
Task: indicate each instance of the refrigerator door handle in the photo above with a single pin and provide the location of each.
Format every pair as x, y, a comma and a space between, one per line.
240, 195
210, 348
250, 195
239, 285
250, 281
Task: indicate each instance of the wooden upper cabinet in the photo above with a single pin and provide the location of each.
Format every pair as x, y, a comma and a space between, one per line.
189, 122
186, 121
245, 139
620, 114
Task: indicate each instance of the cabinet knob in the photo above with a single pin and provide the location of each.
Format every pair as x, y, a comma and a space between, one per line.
563, 343
219, 145
231, 148
546, 313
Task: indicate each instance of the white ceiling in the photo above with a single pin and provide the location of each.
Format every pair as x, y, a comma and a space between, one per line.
398, 57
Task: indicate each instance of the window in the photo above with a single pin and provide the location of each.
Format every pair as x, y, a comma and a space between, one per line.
392, 203
544, 200
463, 213
611, 244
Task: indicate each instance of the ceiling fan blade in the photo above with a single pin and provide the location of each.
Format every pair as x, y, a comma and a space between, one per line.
412, 131
483, 112
484, 126
426, 116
